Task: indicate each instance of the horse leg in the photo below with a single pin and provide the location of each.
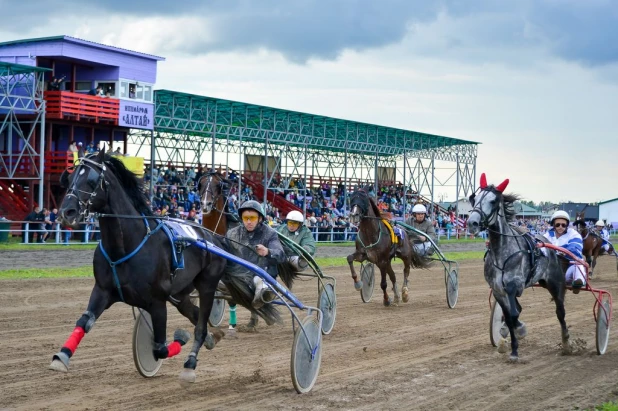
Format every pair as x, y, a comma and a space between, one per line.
99, 301
201, 336
393, 277
383, 285
557, 291
158, 314
359, 257
405, 296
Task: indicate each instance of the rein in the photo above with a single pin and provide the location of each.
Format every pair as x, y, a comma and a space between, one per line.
113, 264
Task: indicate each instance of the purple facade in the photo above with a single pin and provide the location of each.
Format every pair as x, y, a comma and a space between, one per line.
86, 55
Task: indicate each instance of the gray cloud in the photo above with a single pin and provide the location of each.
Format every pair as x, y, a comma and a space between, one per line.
582, 31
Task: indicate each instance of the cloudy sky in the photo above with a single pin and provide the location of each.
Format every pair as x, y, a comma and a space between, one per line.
535, 81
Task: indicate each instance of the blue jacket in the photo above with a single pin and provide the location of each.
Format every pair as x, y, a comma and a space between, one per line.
571, 240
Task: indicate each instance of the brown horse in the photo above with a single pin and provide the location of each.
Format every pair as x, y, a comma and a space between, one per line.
593, 243
374, 243
213, 189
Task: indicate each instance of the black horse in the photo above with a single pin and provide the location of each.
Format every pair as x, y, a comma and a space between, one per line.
134, 260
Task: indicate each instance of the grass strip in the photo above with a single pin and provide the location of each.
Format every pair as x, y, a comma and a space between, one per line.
55, 272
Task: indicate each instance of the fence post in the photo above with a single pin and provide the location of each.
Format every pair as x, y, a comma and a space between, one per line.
57, 233
27, 233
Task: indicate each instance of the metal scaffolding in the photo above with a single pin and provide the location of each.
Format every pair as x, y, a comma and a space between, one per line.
22, 120
192, 130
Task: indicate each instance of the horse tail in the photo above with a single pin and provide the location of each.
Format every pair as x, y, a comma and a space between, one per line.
287, 274
241, 289
511, 291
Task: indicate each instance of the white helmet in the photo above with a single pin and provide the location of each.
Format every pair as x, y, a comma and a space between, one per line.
295, 216
560, 214
600, 223
419, 208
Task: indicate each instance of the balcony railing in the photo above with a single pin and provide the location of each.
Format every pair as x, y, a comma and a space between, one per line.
81, 107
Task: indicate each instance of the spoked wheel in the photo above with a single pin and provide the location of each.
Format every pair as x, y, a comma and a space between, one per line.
143, 343
218, 307
327, 302
496, 321
306, 355
602, 334
368, 278
451, 279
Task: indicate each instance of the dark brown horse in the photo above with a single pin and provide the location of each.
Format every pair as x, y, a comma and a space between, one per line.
214, 189
374, 243
593, 243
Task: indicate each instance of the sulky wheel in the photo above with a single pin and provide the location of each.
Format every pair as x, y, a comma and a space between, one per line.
327, 303
451, 280
368, 278
218, 310
306, 356
143, 343
496, 322
218, 307
602, 334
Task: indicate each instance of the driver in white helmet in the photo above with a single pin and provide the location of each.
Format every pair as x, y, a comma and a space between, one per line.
420, 222
603, 233
562, 235
295, 230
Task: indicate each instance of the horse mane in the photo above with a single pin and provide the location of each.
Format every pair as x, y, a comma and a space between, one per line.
508, 200
130, 183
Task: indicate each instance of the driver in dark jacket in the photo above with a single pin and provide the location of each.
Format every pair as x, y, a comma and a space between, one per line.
257, 243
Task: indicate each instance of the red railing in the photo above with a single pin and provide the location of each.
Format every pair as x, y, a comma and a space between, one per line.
81, 107
55, 163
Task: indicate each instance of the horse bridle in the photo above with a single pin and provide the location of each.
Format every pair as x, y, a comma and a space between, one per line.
485, 218
215, 196
95, 179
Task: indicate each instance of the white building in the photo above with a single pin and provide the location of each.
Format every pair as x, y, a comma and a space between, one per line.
608, 211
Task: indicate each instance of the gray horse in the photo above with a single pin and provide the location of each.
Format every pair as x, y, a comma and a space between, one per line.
513, 262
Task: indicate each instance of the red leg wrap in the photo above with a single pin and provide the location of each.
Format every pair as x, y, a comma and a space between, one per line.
75, 338
173, 349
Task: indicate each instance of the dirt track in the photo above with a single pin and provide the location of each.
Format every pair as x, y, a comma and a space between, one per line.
420, 355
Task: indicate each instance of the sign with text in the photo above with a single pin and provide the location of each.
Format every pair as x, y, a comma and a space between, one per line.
136, 115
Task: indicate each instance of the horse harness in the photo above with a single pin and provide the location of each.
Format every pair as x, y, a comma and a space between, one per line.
531, 249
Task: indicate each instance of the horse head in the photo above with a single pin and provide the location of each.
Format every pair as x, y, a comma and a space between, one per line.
486, 207
86, 189
359, 206
213, 189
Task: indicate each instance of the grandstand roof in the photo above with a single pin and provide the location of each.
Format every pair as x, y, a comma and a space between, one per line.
196, 115
82, 42
7, 69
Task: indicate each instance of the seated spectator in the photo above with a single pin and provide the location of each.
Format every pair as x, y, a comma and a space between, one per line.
98, 91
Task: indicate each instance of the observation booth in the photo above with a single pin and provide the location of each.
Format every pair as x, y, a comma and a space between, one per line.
100, 92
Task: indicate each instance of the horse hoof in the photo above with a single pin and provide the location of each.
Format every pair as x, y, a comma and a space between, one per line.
213, 338
231, 333
182, 336
59, 366
60, 362
513, 358
521, 331
388, 302
187, 377
405, 297
358, 285
503, 346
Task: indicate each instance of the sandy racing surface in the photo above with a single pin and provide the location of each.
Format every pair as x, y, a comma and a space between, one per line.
420, 355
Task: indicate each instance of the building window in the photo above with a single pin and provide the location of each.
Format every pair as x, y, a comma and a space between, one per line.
135, 90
